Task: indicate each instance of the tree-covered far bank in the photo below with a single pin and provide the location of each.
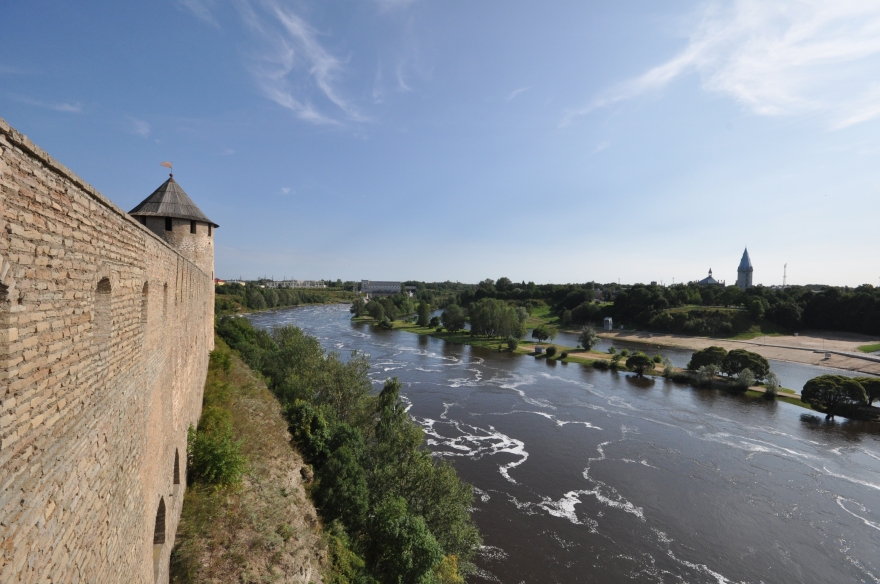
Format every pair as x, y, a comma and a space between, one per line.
689, 308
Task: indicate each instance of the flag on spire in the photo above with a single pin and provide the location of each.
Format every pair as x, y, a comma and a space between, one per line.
165, 164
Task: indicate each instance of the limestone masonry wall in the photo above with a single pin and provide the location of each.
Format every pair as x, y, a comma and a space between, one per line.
105, 331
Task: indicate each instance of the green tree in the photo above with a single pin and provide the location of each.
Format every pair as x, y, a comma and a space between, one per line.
358, 307
771, 386
512, 343
255, 300
640, 363
424, 314
745, 379
739, 359
375, 309
544, 332
343, 492
872, 388
706, 373
828, 393
401, 549
588, 338
215, 457
757, 308
667, 367
708, 356
453, 318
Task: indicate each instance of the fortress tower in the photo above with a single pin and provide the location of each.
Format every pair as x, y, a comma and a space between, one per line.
171, 214
744, 272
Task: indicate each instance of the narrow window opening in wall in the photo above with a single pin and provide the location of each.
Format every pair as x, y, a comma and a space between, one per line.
165, 301
103, 317
192, 226
176, 467
168, 226
210, 229
159, 531
143, 220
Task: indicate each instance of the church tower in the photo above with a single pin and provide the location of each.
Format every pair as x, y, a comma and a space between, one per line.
744, 272
171, 214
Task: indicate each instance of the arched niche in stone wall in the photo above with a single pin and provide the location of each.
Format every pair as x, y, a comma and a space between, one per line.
158, 537
102, 320
8, 296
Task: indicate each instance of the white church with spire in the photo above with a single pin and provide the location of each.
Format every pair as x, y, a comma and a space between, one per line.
744, 272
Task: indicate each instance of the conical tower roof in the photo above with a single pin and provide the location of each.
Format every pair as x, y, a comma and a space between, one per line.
169, 200
745, 263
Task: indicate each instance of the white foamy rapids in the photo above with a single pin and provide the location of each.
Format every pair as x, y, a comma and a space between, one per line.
446, 407
474, 442
564, 508
702, 568
861, 507
492, 553
483, 495
587, 386
551, 417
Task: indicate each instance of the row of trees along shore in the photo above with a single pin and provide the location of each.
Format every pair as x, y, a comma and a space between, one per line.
648, 306
393, 514
830, 394
230, 298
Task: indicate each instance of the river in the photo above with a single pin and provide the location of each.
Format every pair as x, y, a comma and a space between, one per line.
595, 476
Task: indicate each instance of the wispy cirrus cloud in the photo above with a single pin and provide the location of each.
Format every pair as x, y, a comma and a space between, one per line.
140, 127
777, 58
292, 67
515, 92
394, 4
65, 107
287, 58
201, 9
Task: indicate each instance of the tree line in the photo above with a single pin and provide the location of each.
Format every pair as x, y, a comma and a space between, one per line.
393, 513
235, 297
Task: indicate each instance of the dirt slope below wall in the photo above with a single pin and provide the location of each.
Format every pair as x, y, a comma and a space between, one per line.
266, 530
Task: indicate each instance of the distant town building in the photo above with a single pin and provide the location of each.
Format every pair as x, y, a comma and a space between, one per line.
219, 282
609, 324
372, 288
744, 272
710, 281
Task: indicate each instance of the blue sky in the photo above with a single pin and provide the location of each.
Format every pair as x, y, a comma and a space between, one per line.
553, 141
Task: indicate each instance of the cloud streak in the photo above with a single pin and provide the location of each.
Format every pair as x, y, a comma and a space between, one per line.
140, 127
64, 107
292, 67
201, 9
516, 92
776, 58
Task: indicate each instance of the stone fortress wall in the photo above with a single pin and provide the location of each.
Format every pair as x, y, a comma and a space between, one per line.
105, 331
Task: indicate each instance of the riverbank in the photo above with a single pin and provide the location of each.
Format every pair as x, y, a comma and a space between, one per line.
809, 348
265, 529
584, 357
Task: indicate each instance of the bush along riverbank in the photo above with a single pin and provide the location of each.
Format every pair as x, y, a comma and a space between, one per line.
246, 515
391, 512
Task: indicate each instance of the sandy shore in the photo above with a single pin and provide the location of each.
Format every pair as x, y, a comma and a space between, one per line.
807, 347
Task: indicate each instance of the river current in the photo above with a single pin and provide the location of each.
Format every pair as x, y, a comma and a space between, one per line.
595, 476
